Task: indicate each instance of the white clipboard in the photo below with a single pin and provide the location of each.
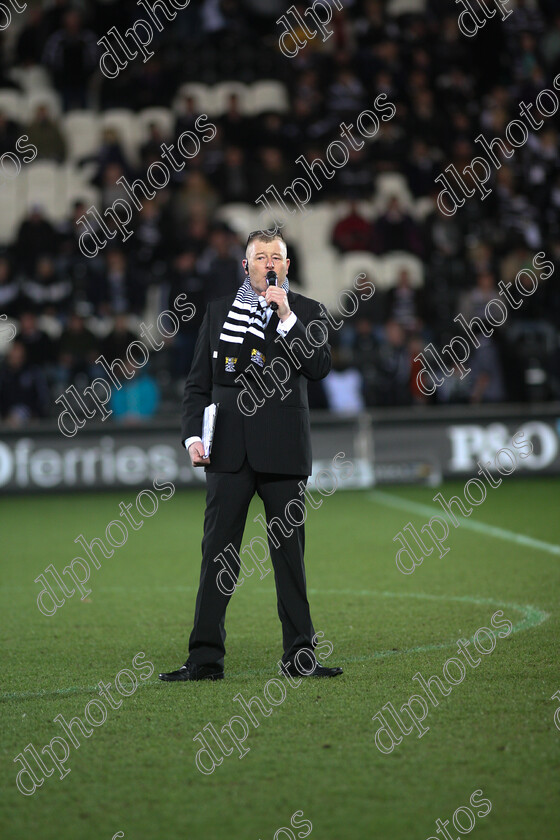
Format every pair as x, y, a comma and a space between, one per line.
208, 427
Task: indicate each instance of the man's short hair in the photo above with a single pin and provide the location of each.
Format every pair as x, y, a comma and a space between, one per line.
264, 236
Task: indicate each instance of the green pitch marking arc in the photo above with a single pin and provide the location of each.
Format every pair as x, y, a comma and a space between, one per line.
531, 617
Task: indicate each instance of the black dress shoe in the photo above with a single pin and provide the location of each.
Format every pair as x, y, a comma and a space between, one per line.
290, 669
190, 671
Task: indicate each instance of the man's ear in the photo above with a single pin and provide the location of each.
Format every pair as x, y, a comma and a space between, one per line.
246, 266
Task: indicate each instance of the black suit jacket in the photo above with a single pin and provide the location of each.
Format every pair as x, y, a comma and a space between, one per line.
277, 437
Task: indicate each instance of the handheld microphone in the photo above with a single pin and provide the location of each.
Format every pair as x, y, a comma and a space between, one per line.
272, 280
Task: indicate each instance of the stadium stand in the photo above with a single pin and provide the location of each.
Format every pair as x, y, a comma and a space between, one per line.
268, 111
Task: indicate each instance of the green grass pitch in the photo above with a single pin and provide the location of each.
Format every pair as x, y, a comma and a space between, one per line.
315, 753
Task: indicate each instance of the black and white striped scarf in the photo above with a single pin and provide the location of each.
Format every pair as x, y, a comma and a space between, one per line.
242, 339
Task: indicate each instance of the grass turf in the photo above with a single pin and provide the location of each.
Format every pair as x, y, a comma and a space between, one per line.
315, 752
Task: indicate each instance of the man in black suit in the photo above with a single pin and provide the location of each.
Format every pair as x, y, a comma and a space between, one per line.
263, 446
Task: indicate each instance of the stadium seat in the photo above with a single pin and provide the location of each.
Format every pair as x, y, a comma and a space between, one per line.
204, 97
31, 79
293, 231
316, 227
4, 343
76, 187
320, 273
393, 263
267, 96
393, 183
11, 103
359, 262
163, 117
423, 207
41, 97
406, 7
51, 325
242, 218
126, 125
41, 183
12, 209
223, 91
81, 131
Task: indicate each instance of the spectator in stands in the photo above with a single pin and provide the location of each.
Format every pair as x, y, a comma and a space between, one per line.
371, 24
392, 367
421, 169
77, 351
271, 129
24, 394
297, 125
46, 289
391, 145
55, 13
359, 337
396, 230
71, 55
40, 348
426, 122
232, 177
196, 234
150, 150
455, 389
541, 165
35, 236
187, 280
110, 152
486, 377
518, 219
474, 301
481, 259
221, 16
211, 156
70, 232
138, 399
151, 86
110, 189
352, 232
346, 95
9, 133
235, 124
416, 345
9, 289
187, 111
354, 179
222, 262
550, 45
196, 196
115, 345
405, 304
117, 291
151, 244
45, 134
31, 38
343, 386
273, 170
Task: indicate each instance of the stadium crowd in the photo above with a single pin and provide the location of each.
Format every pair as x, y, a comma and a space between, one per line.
447, 88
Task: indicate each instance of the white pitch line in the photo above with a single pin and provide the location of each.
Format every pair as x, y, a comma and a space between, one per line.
489, 530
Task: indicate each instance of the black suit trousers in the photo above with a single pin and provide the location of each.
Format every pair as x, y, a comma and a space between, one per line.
227, 502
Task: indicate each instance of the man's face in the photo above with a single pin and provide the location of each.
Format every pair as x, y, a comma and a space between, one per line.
263, 257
